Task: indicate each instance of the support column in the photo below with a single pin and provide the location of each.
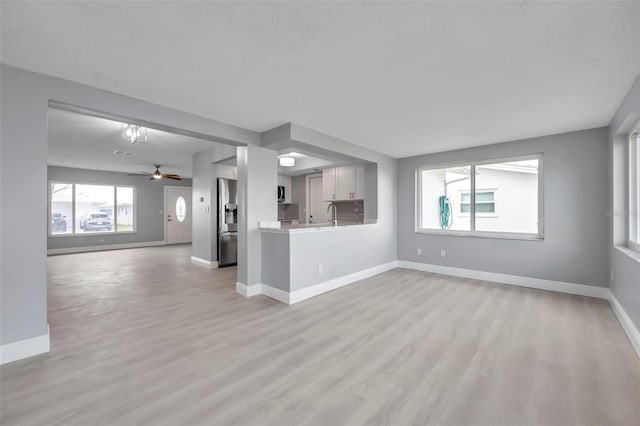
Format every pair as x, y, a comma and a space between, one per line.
204, 206
257, 201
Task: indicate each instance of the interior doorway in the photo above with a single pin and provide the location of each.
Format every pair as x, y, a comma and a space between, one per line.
316, 206
178, 214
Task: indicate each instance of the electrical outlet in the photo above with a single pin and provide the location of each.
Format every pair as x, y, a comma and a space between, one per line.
320, 269
418, 251
443, 253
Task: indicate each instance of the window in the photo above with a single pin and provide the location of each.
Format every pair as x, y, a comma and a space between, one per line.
77, 209
485, 202
124, 209
181, 209
61, 208
634, 190
488, 198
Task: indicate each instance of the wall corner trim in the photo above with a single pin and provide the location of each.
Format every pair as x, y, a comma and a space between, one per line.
537, 283
276, 294
625, 321
248, 291
204, 263
25, 348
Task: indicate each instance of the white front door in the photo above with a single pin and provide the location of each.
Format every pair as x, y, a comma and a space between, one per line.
178, 214
317, 207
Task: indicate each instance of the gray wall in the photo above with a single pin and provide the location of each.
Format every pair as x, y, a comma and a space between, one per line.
23, 181
149, 206
299, 195
276, 265
575, 200
625, 283
371, 191
205, 184
204, 231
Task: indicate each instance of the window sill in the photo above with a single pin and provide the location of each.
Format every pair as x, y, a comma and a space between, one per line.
494, 235
627, 251
91, 234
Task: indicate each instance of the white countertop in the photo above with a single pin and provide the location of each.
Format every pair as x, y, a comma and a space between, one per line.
307, 227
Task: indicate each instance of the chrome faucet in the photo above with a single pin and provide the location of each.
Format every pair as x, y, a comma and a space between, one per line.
334, 217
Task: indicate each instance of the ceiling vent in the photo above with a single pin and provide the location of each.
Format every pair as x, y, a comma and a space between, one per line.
124, 153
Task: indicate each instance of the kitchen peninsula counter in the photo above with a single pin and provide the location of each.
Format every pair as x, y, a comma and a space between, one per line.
323, 227
304, 260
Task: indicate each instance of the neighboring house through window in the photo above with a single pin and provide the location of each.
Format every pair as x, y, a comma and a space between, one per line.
485, 202
501, 197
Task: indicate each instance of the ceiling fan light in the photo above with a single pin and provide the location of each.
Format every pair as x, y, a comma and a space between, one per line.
287, 161
132, 133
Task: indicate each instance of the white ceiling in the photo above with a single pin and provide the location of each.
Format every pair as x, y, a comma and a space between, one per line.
81, 141
400, 78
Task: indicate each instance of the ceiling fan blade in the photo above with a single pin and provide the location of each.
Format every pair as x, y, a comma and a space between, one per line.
170, 174
174, 177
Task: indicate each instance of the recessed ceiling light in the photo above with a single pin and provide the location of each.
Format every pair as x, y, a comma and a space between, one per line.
287, 161
293, 154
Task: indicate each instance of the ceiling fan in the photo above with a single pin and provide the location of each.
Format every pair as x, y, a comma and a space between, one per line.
157, 174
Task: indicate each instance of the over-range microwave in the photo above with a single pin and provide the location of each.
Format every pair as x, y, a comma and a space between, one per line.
281, 194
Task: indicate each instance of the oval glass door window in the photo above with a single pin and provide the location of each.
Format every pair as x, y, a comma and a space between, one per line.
181, 209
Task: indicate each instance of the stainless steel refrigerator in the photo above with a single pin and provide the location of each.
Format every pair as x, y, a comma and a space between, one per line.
227, 222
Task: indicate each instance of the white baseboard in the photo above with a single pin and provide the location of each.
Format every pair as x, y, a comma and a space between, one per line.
25, 348
277, 294
558, 286
315, 290
248, 291
299, 295
104, 247
627, 325
204, 263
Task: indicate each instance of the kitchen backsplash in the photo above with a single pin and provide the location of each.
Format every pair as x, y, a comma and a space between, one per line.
288, 211
350, 211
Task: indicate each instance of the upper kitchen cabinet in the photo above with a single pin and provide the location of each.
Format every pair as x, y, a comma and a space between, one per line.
329, 184
343, 183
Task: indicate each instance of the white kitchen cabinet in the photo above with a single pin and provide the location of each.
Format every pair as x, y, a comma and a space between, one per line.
346, 182
286, 181
343, 183
359, 188
227, 172
329, 184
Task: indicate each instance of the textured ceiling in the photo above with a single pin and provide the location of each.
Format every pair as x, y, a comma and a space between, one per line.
85, 142
400, 78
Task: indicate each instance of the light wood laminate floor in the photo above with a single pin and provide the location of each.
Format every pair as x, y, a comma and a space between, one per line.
144, 337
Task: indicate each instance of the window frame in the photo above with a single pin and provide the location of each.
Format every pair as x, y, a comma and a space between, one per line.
73, 210
539, 236
633, 196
